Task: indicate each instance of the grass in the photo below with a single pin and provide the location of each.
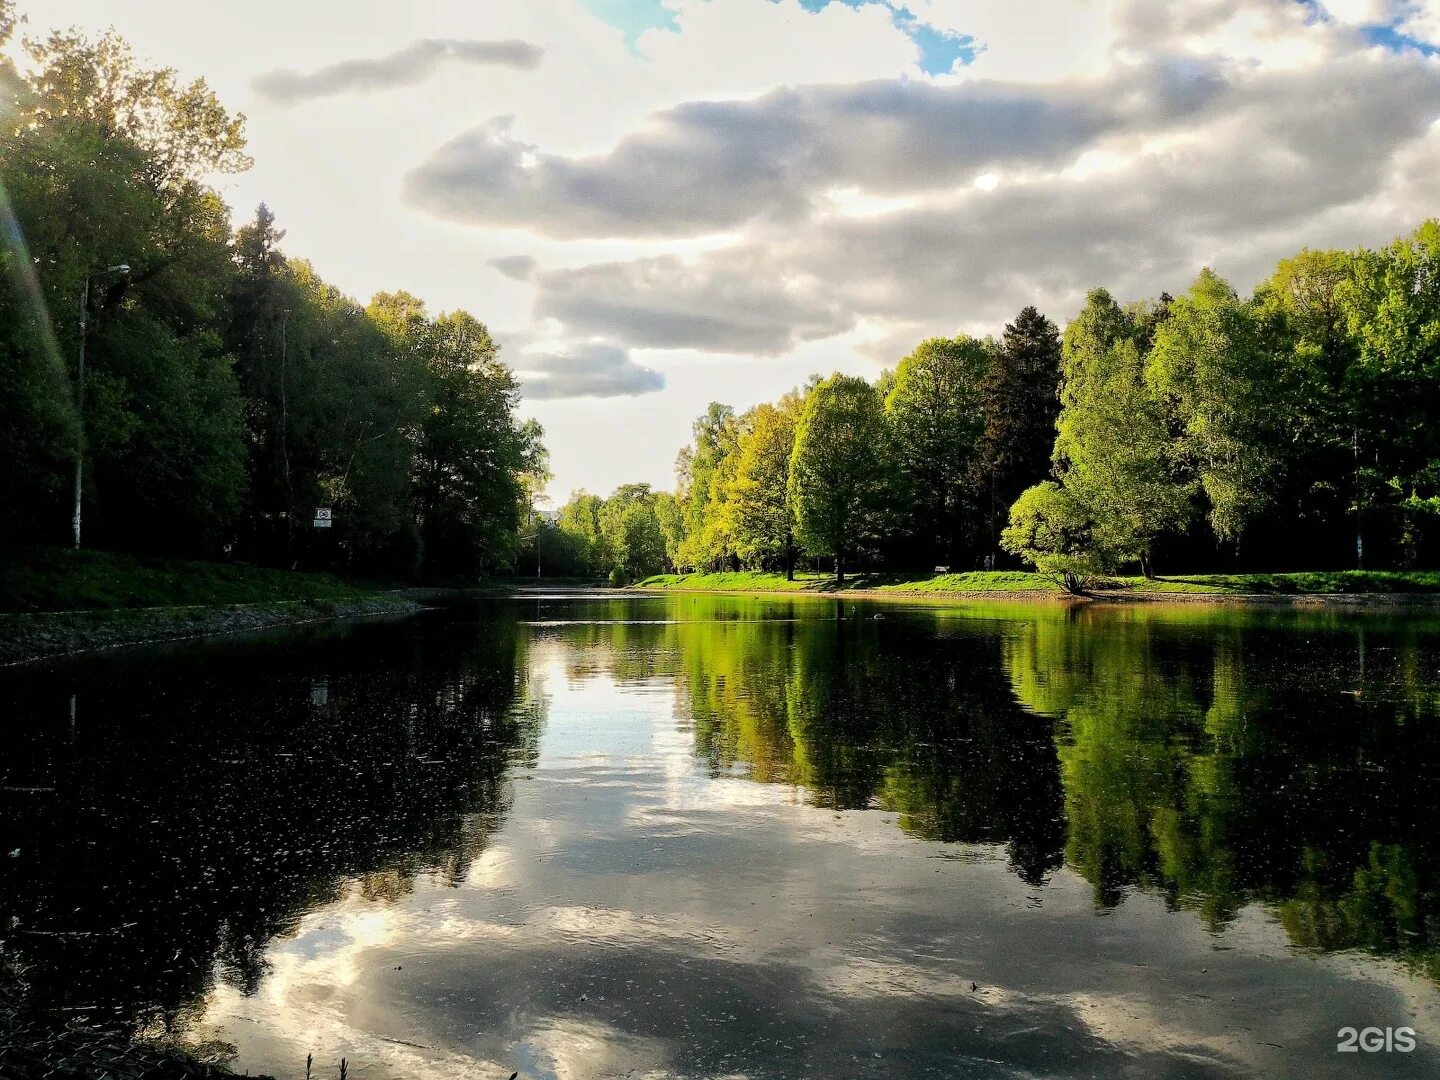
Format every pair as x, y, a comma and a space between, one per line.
1015, 581
59, 579
1311, 581
757, 581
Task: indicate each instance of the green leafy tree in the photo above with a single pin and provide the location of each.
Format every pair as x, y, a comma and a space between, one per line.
579, 521
104, 164
100, 86
1056, 533
228, 389
1213, 369
1301, 307
762, 522
1392, 308
670, 515
632, 533
705, 471
839, 470
1113, 449
269, 316
471, 451
936, 422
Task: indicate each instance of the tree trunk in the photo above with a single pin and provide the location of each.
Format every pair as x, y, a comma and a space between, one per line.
789, 556
1147, 571
839, 568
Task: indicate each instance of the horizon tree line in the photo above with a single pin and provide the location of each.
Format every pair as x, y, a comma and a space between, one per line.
1298, 428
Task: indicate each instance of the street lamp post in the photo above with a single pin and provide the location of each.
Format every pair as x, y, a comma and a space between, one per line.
121, 268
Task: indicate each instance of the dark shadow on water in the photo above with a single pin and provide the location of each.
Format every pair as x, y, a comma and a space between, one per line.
194, 808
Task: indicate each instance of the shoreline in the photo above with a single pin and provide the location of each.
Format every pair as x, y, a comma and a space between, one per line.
33, 636
30, 637
1099, 596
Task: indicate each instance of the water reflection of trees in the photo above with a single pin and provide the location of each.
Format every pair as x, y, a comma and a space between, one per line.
205, 804
1220, 759
854, 713
1213, 757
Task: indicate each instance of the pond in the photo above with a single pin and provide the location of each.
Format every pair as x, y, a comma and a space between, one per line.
700, 836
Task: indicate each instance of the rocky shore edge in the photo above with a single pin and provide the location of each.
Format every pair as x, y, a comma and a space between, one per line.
43, 635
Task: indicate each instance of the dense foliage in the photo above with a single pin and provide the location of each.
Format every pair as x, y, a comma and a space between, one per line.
1298, 428
228, 390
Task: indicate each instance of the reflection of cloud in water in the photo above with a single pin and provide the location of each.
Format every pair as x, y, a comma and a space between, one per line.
631, 900
805, 947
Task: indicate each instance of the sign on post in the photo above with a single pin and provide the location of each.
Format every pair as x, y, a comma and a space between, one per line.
322, 517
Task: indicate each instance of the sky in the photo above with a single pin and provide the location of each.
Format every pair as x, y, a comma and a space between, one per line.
656, 204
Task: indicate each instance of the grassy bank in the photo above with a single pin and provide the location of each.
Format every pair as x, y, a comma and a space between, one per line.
996, 581
59, 579
58, 602
1002, 582
1315, 582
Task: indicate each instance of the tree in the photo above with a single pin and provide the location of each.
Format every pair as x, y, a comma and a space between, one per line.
1056, 533
1113, 450
936, 422
579, 521
1302, 313
1020, 400
705, 471
100, 86
632, 533
1211, 367
37, 422
839, 469
1392, 309
534, 476
670, 515
105, 163
471, 452
335, 410
228, 389
270, 313
762, 522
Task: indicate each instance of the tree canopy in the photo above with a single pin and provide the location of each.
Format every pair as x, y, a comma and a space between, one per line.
228, 390
1295, 428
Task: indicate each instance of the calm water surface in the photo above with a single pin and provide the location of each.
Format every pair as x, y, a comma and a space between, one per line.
585, 837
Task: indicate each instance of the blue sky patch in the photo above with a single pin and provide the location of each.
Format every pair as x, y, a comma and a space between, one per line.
1393, 39
940, 50
1388, 35
633, 17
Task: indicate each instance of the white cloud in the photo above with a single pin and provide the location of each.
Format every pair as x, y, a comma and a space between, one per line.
763, 181
1270, 163
403, 67
706, 166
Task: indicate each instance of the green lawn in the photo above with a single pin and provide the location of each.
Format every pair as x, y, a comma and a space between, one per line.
756, 581
1014, 581
59, 579
1314, 581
